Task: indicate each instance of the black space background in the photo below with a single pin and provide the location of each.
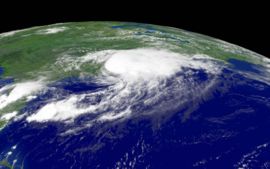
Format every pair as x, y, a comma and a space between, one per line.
243, 24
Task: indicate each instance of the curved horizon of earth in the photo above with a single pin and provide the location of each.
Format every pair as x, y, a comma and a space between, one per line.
130, 95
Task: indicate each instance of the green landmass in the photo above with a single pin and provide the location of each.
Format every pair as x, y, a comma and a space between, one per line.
29, 53
2, 123
5, 164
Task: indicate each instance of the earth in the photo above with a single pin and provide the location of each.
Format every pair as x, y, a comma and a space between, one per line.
129, 95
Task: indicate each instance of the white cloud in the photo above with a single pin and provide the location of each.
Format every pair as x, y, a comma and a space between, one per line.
60, 110
114, 116
141, 64
11, 33
52, 30
9, 116
19, 90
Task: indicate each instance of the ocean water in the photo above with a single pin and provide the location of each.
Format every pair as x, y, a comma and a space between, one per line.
227, 129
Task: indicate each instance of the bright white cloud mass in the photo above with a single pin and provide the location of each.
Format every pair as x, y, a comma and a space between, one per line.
138, 78
18, 91
52, 30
